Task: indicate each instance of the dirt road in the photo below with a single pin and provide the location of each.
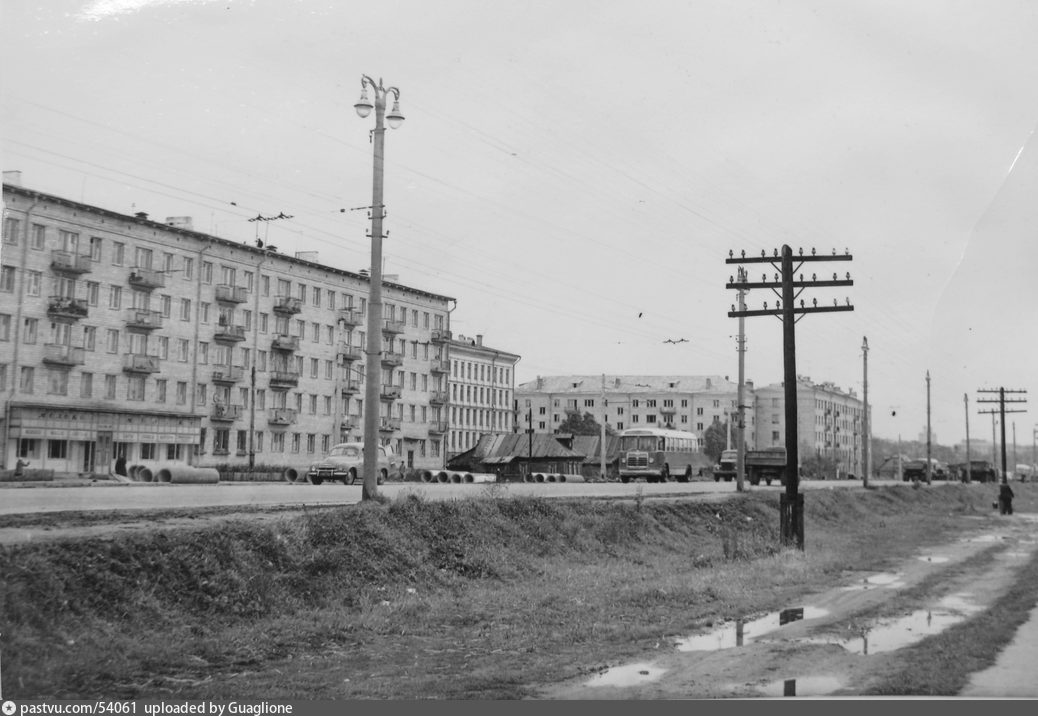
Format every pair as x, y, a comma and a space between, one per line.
845, 634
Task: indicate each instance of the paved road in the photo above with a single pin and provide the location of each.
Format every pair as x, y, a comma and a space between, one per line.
54, 497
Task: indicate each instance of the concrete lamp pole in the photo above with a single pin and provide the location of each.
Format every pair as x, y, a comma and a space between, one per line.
372, 407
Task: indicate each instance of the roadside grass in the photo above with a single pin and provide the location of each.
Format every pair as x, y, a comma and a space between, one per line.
481, 598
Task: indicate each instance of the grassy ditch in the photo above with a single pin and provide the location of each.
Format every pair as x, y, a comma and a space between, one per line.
479, 598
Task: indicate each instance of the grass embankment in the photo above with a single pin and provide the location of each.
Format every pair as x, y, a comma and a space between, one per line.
478, 598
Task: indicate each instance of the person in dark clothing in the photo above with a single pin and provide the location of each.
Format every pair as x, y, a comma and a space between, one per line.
1005, 499
120, 466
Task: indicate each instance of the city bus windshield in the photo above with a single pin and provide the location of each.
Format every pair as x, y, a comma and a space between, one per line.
640, 442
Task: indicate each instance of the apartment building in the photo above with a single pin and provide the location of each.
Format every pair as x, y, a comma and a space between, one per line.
830, 422
482, 391
121, 335
680, 402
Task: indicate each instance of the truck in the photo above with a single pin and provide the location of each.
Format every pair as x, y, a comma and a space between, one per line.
916, 470
767, 464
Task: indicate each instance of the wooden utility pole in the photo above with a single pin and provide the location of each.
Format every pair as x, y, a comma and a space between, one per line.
865, 441
929, 465
969, 463
740, 435
602, 432
788, 287
1002, 400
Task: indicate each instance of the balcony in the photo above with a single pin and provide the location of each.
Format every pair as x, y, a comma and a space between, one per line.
288, 305
57, 354
348, 354
140, 319
227, 375
281, 342
391, 327
147, 279
137, 363
389, 392
231, 294
440, 335
351, 387
438, 427
391, 359
284, 379
70, 262
351, 317
281, 416
350, 422
64, 307
439, 366
668, 412
225, 413
438, 397
388, 425
228, 333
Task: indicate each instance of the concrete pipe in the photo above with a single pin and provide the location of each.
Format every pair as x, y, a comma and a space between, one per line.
427, 476
187, 474
551, 478
538, 477
442, 477
132, 471
481, 477
572, 478
528, 477
144, 473
457, 478
468, 478
291, 474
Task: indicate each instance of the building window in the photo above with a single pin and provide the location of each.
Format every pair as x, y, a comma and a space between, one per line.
57, 381
181, 392
57, 449
207, 272
11, 230
112, 340
189, 268
109, 387
5, 327
160, 390
86, 385
185, 309
7, 279
135, 387
118, 253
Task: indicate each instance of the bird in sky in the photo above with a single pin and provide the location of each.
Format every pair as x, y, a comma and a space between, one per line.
639, 315
678, 340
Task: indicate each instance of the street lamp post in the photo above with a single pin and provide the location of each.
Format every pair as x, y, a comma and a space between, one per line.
372, 407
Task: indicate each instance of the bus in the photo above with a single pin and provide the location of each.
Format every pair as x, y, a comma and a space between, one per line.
657, 454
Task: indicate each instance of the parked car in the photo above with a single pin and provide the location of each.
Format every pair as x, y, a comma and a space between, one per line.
345, 462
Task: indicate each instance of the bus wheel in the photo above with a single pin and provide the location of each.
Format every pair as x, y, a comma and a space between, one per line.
624, 479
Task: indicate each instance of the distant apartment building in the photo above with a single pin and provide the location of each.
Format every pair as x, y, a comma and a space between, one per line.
830, 422
679, 402
482, 388
121, 335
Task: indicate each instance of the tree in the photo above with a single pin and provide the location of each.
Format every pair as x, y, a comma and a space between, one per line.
715, 440
577, 424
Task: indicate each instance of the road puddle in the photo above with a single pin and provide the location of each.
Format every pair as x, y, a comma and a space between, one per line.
883, 579
628, 675
800, 686
932, 558
984, 538
740, 632
892, 634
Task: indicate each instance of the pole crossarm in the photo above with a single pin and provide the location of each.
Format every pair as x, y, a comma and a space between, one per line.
771, 259
781, 312
746, 285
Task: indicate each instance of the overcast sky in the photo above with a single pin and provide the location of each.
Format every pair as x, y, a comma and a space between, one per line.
575, 173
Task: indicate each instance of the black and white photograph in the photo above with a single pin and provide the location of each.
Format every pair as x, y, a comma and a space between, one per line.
579, 351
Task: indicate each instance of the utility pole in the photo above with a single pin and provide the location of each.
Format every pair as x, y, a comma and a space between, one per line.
929, 465
740, 433
1002, 400
602, 432
969, 463
1014, 445
788, 287
865, 414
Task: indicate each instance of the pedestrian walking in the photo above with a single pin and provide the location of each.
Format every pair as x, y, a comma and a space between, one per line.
120, 465
1005, 499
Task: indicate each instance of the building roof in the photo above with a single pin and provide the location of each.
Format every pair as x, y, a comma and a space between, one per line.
519, 444
628, 384
591, 446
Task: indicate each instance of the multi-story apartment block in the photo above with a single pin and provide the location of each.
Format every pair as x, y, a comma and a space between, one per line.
830, 422
120, 335
689, 403
482, 387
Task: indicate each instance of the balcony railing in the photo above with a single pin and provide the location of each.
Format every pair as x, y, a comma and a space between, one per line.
226, 332
351, 387
391, 326
64, 307
137, 363
351, 317
668, 410
281, 342
142, 319
70, 262
389, 392
388, 425
283, 379
440, 335
389, 358
146, 278
289, 305
225, 413
63, 355
231, 294
281, 416
439, 366
438, 397
227, 375
350, 353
